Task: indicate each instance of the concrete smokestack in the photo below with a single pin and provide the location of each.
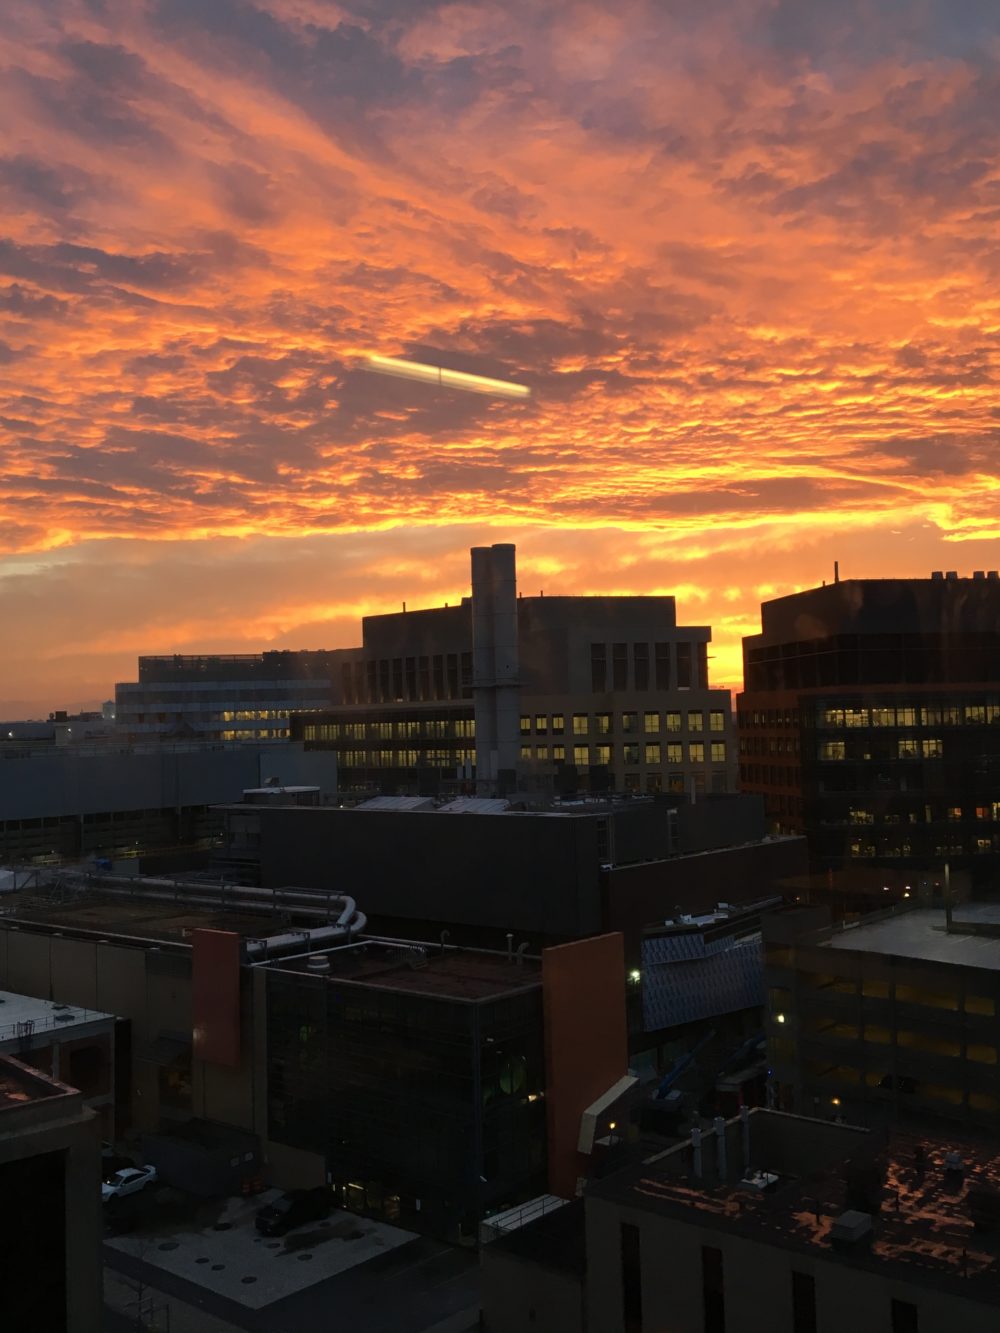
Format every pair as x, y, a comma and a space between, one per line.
495, 667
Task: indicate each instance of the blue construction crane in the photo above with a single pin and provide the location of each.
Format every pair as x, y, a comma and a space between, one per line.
678, 1068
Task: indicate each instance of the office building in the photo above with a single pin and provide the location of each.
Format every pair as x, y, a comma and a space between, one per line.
893, 1017
428, 1083
768, 1221
598, 693
870, 721
50, 1223
234, 697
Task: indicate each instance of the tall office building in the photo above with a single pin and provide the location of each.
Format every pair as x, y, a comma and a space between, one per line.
870, 720
601, 693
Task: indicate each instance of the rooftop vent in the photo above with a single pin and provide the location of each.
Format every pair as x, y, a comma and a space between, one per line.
978, 574
952, 574
318, 962
992, 574
937, 574
851, 1230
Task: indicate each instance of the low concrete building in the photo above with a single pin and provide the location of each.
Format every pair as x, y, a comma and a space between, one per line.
74, 1045
50, 1221
771, 1222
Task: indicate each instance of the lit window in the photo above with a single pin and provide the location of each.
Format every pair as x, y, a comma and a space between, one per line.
525, 726
558, 723
653, 752
602, 754
542, 752
631, 753
832, 750
541, 724
718, 752
581, 724
525, 751
559, 753
651, 723
696, 721
906, 747
675, 753
696, 752
673, 721
581, 756
931, 748
603, 722
716, 721
630, 721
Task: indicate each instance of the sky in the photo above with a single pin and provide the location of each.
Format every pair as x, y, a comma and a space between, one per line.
745, 253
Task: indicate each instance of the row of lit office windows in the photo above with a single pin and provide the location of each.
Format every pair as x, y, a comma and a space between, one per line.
865, 849
926, 715
907, 747
406, 758
462, 728
238, 734
862, 814
652, 752
605, 724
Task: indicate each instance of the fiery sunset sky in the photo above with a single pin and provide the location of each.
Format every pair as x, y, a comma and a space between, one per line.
746, 253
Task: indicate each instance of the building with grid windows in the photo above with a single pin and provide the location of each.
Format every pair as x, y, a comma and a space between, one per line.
870, 721
573, 693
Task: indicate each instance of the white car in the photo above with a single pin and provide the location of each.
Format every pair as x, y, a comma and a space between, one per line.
130, 1181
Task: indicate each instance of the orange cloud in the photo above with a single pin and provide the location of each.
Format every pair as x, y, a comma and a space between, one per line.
746, 260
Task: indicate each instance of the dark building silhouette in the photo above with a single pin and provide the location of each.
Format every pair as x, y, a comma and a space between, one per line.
870, 720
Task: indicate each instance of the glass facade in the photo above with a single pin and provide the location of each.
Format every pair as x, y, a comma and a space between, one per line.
431, 1106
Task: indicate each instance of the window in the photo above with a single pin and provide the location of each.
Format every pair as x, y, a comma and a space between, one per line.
541, 724
603, 722
696, 752
904, 1317
716, 720
975, 714
718, 752
654, 783
558, 724
652, 752
631, 1278
803, 1303
980, 1004
673, 721
542, 752
525, 751
684, 666
631, 755
559, 753
630, 721
883, 717
581, 756
663, 666
832, 750
619, 666
581, 724
598, 668
695, 721
675, 755
525, 726
931, 749
641, 657
602, 754
906, 747
906, 717
651, 723
713, 1290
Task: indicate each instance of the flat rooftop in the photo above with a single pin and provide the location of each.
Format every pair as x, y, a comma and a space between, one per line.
45, 1016
457, 974
136, 917
921, 934
21, 1086
923, 1226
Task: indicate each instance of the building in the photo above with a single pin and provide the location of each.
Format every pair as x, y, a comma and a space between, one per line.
766, 1221
243, 697
73, 1045
430, 1084
870, 721
117, 801
895, 1016
50, 1224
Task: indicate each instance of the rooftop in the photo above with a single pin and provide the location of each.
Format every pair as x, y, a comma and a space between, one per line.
555, 1240
133, 917
21, 1086
920, 1212
16, 1011
920, 933
459, 974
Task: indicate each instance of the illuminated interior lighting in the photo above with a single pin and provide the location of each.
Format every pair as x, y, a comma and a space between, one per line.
612, 1124
779, 1018
835, 1101
446, 379
633, 976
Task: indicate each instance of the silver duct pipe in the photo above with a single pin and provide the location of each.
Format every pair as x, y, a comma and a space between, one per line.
720, 1147
495, 664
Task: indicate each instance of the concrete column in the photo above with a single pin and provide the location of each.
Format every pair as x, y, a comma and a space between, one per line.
495, 663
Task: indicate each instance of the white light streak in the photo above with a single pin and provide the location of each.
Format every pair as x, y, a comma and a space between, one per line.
446, 379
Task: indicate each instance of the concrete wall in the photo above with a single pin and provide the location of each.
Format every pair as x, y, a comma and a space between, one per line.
757, 1283
519, 1296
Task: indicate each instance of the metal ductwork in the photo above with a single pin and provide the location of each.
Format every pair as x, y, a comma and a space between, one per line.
495, 666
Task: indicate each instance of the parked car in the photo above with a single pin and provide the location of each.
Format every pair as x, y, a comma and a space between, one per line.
132, 1180
294, 1209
